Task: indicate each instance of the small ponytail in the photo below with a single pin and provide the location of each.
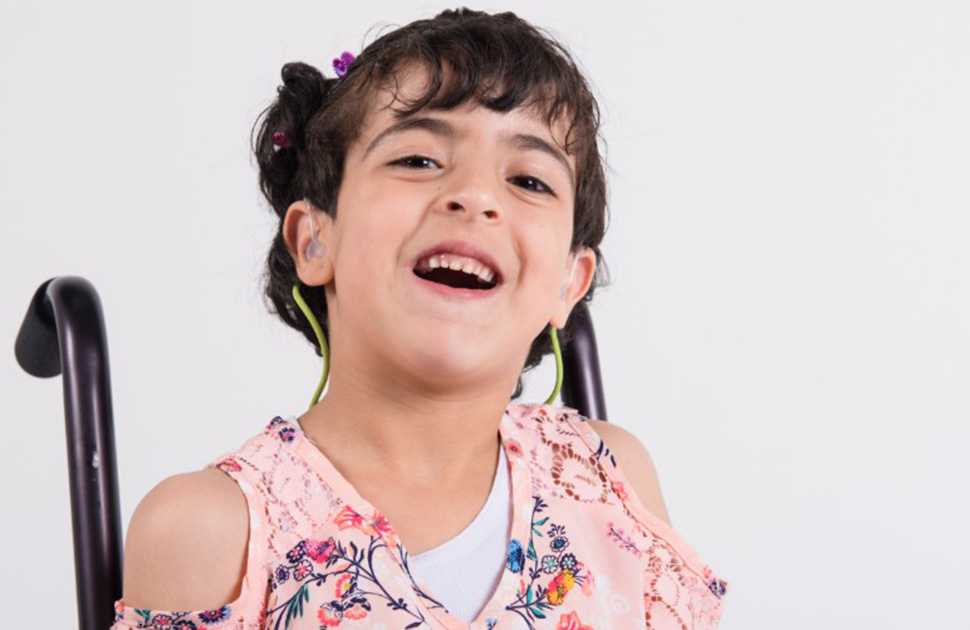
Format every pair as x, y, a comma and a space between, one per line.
302, 94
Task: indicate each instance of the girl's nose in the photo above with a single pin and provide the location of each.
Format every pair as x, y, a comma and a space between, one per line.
474, 194
489, 213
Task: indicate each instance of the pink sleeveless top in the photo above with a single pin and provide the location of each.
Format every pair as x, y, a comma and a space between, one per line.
584, 553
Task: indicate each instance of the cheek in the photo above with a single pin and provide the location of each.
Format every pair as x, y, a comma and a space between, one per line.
545, 244
371, 241
388, 206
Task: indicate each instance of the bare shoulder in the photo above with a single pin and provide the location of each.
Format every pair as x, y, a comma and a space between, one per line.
186, 544
635, 461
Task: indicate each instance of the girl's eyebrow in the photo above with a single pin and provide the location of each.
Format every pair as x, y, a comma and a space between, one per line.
435, 126
439, 127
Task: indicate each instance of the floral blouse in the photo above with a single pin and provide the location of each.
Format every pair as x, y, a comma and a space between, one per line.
584, 552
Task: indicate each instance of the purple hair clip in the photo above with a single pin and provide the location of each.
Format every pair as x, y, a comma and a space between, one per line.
341, 63
281, 140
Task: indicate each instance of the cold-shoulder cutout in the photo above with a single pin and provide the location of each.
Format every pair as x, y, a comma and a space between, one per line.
636, 462
191, 552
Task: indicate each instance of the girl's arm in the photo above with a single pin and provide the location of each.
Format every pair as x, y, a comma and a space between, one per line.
186, 544
635, 462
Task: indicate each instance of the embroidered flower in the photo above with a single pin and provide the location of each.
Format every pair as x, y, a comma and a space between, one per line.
329, 614
514, 448
718, 587
297, 553
345, 584
568, 561
357, 608
275, 421
229, 465
516, 559
571, 622
302, 570
215, 616
281, 574
347, 518
561, 585
568, 579
287, 434
319, 551
558, 544
549, 564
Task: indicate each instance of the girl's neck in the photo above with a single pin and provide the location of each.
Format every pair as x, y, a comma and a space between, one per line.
412, 436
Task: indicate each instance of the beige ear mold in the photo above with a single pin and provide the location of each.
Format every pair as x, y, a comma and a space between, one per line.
565, 285
315, 249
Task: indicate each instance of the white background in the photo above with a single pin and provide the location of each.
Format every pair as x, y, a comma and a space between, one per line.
786, 330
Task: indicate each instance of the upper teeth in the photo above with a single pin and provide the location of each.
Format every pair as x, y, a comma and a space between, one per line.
458, 263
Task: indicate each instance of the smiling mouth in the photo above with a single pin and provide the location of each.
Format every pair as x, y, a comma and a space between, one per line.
455, 278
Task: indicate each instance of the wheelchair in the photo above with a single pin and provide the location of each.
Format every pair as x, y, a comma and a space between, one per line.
63, 332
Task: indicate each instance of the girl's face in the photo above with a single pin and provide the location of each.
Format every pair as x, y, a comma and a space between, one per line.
434, 182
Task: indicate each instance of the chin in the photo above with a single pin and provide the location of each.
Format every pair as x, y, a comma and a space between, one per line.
447, 353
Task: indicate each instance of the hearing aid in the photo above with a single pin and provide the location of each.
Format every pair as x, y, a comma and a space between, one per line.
572, 272
315, 248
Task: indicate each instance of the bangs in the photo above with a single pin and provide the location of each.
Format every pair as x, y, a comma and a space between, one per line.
495, 69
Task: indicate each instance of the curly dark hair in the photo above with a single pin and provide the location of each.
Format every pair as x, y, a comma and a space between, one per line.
500, 60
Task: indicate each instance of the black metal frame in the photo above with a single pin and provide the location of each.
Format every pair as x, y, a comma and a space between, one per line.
64, 331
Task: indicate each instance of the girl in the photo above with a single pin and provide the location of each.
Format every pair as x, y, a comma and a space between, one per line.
441, 204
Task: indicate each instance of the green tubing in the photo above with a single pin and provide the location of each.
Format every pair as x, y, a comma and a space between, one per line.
558, 353
324, 349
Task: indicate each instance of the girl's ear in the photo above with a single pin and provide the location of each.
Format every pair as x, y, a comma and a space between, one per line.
578, 277
307, 233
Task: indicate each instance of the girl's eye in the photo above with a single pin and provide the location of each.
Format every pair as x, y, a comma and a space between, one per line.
415, 161
534, 184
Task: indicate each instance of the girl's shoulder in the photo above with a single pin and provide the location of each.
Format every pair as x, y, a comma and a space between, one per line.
604, 466
187, 548
636, 462
195, 550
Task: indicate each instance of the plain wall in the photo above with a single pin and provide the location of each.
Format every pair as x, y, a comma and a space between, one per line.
786, 330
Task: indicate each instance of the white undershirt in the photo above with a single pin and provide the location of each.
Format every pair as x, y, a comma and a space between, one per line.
462, 573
